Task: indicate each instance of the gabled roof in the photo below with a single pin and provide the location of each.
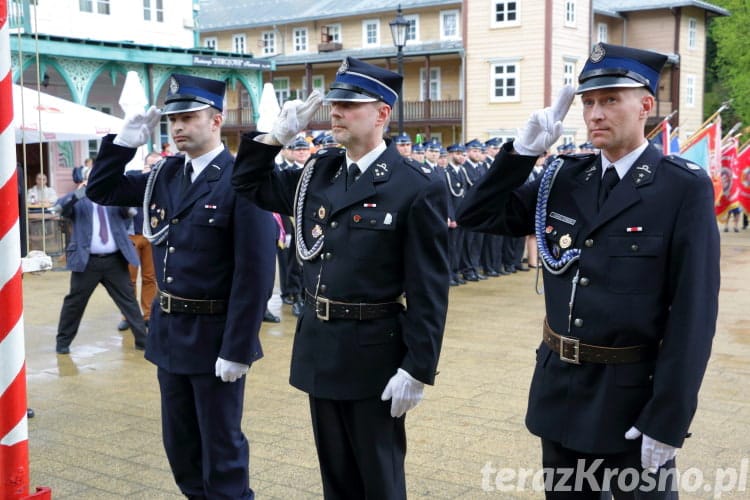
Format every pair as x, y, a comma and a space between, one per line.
224, 14
615, 8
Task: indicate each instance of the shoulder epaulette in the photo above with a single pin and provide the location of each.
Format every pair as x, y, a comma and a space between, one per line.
688, 165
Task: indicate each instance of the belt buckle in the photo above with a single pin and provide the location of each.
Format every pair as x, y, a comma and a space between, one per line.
165, 299
324, 316
570, 350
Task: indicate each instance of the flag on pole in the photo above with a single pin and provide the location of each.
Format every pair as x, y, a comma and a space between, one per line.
664, 141
729, 196
704, 148
742, 169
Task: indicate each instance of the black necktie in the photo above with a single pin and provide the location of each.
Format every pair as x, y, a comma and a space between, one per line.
187, 180
609, 181
352, 173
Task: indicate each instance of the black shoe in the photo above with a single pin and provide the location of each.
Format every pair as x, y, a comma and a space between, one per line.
30, 413
492, 274
288, 300
270, 317
297, 308
460, 281
510, 269
139, 346
523, 268
62, 349
481, 276
123, 325
503, 272
471, 277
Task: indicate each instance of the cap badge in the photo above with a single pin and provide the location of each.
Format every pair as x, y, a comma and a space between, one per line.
174, 87
597, 53
343, 68
565, 241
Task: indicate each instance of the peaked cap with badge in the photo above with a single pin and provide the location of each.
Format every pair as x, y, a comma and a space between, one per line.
192, 93
611, 66
358, 81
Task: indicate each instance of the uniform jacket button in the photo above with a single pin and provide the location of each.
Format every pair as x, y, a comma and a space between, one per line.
171, 249
211, 220
578, 322
584, 281
323, 288
334, 225
170, 279
589, 243
175, 220
634, 247
328, 255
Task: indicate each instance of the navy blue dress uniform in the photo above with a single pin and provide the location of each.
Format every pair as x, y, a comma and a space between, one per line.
365, 248
214, 254
108, 265
631, 288
473, 240
457, 186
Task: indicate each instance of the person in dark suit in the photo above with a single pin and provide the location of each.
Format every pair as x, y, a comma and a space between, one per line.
630, 249
371, 229
99, 252
214, 255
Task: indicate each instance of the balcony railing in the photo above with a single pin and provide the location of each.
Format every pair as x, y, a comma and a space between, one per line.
414, 112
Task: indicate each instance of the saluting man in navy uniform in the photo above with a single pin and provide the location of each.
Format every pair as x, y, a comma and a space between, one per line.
371, 233
630, 249
214, 254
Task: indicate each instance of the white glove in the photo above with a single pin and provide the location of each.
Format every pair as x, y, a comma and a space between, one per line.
294, 117
137, 129
544, 126
229, 371
654, 453
404, 391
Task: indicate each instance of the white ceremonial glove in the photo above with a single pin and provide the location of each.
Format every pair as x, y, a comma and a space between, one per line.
404, 391
654, 453
229, 371
544, 126
294, 117
137, 129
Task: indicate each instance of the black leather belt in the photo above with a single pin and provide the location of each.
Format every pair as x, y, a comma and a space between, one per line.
102, 255
572, 350
327, 309
171, 304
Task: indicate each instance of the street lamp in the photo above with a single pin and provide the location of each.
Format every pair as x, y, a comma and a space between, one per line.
398, 32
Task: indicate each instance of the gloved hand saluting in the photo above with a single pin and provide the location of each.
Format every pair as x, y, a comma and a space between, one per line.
137, 129
404, 391
294, 117
229, 371
654, 453
544, 126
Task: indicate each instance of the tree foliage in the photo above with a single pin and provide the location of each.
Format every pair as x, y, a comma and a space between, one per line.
731, 64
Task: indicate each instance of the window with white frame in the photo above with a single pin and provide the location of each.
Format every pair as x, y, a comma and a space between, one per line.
602, 32
153, 10
370, 32
239, 43
281, 86
412, 30
690, 90
569, 72
434, 84
570, 13
449, 25
692, 32
269, 42
334, 32
210, 42
504, 81
505, 14
318, 83
300, 39
102, 6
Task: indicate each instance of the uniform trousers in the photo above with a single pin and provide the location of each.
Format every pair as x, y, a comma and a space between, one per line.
632, 483
361, 449
455, 244
148, 274
111, 271
201, 420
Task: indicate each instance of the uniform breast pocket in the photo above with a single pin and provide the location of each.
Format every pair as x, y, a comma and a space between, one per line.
635, 263
371, 230
207, 226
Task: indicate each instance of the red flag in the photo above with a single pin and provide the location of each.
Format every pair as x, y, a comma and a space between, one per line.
742, 170
729, 186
